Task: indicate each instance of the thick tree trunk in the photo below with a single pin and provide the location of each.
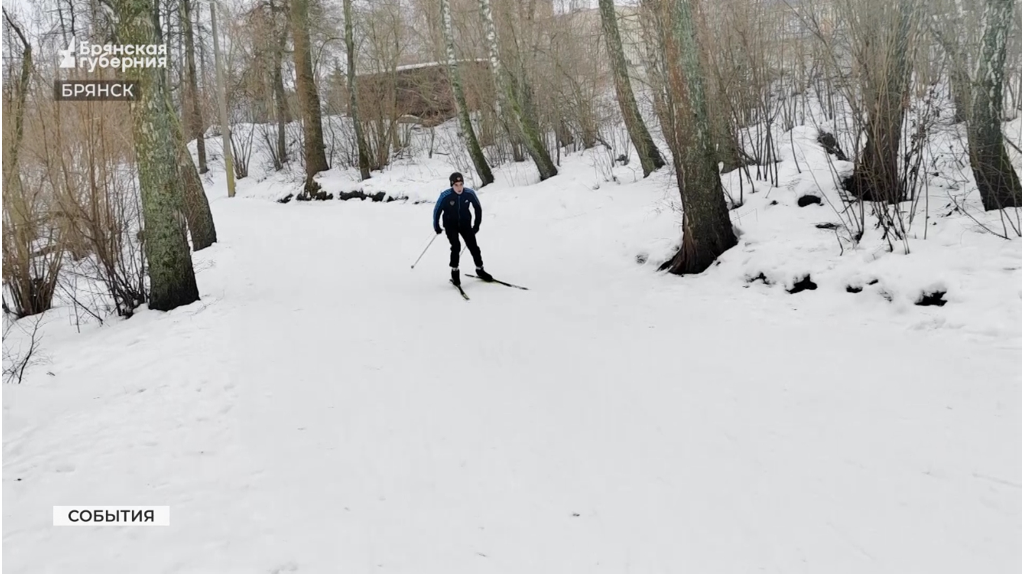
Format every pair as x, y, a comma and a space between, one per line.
194, 201
353, 96
172, 278
193, 111
729, 153
196, 204
281, 113
876, 176
479, 161
960, 86
510, 102
305, 87
707, 230
997, 180
650, 158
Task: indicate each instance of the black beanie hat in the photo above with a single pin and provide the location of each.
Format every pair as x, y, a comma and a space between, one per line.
454, 177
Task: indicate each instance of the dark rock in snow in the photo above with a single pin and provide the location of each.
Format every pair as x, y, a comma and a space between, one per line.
320, 195
828, 141
759, 277
804, 284
933, 299
806, 200
312, 191
360, 194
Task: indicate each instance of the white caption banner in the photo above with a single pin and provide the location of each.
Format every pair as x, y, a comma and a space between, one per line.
97, 515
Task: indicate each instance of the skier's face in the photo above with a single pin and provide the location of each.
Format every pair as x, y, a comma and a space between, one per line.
457, 187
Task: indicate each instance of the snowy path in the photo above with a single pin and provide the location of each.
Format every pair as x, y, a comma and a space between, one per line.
327, 409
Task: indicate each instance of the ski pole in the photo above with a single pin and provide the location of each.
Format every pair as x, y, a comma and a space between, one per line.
424, 250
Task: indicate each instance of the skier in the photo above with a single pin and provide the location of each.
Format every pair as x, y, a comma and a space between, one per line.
453, 205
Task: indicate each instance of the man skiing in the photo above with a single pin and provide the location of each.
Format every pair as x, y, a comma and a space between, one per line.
453, 209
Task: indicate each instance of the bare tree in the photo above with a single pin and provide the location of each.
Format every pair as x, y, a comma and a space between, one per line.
30, 276
18, 93
16, 361
958, 40
511, 90
277, 81
195, 203
564, 53
259, 94
309, 98
650, 157
383, 88
193, 111
353, 101
479, 161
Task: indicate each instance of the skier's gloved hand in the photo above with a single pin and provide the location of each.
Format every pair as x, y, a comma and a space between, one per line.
437, 230
476, 229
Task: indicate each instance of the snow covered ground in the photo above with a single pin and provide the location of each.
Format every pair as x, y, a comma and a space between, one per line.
325, 408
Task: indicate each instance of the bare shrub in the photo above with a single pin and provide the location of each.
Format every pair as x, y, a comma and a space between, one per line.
17, 357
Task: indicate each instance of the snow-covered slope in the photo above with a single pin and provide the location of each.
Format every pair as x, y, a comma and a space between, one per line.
325, 408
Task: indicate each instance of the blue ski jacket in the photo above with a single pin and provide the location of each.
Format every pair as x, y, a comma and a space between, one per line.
453, 209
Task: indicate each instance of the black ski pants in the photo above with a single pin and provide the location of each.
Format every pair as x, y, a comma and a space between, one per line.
469, 236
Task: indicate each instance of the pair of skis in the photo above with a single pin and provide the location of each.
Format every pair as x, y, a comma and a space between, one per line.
466, 297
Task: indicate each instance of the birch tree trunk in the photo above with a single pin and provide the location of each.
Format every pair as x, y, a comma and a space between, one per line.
509, 102
479, 161
997, 180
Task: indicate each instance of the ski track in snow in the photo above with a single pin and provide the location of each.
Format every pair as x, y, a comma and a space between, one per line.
327, 409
